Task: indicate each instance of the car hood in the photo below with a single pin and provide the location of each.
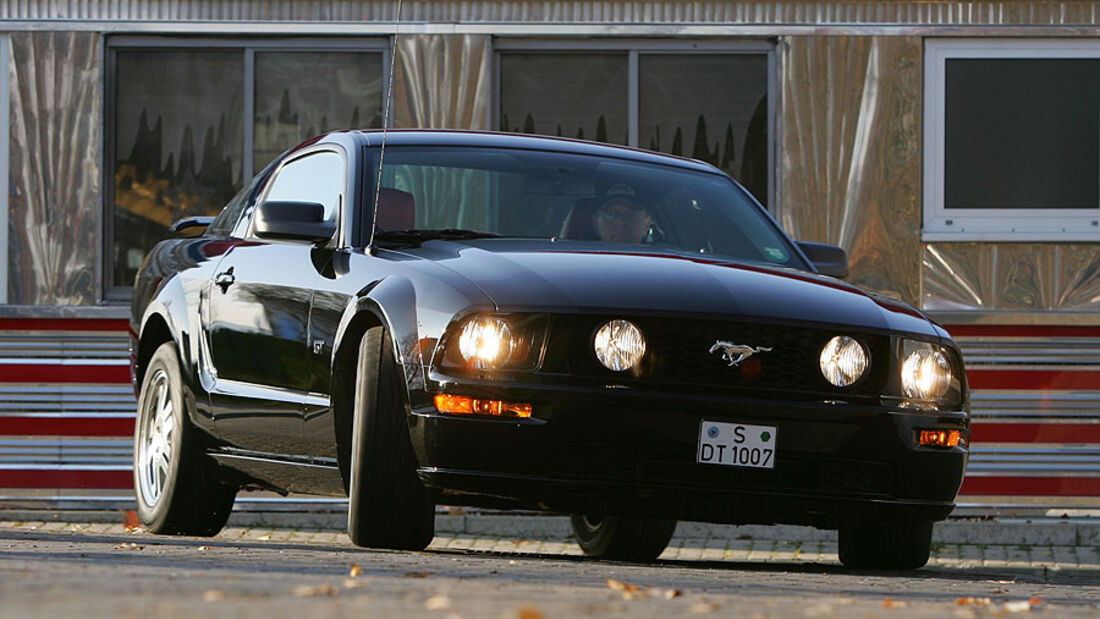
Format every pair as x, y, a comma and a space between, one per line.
563, 276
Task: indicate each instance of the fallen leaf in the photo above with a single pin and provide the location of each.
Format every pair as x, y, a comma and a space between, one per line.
355, 571
213, 595
672, 593
131, 521
264, 538
416, 574
128, 546
973, 601
618, 585
1035, 600
529, 612
305, 591
1019, 606
892, 603
438, 602
354, 583
205, 548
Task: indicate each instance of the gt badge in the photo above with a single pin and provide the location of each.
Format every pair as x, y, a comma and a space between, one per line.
736, 353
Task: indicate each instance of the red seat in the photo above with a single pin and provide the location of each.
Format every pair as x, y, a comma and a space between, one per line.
579, 225
396, 210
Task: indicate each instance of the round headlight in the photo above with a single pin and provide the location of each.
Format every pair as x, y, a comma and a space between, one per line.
925, 374
619, 345
486, 342
843, 361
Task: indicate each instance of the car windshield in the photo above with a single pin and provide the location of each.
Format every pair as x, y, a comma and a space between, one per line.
462, 192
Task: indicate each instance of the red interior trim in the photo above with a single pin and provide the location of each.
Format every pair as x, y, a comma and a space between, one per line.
1034, 379
58, 373
64, 324
100, 480
1032, 486
66, 426
1022, 331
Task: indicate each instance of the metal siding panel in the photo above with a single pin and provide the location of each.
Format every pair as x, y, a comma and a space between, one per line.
851, 153
56, 90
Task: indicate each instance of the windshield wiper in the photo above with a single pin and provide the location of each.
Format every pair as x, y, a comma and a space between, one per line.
420, 235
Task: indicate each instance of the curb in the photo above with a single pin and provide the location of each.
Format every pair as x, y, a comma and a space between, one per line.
1036, 532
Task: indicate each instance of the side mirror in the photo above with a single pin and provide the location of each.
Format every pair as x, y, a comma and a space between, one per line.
296, 221
829, 259
191, 222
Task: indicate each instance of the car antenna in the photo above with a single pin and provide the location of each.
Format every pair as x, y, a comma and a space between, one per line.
385, 126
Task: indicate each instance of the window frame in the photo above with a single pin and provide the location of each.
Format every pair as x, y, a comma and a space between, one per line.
244, 230
634, 49
991, 224
247, 47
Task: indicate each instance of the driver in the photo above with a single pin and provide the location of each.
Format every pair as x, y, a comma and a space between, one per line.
621, 218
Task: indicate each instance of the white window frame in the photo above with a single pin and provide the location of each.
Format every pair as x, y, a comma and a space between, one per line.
1008, 224
5, 154
634, 49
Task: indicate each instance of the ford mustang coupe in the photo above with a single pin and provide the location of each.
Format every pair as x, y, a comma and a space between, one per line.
505, 321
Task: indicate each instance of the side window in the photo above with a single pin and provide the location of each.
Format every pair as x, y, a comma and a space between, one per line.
314, 178
227, 220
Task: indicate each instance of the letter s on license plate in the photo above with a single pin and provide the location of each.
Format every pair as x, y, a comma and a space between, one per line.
736, 444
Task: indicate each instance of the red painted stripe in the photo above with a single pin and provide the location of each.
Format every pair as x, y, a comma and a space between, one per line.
103, 480
58, 373
1032, 486
64, 324
981, 432
1033, 379
66, 426
1022, 331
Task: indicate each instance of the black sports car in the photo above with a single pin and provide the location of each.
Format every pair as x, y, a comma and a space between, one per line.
432, 317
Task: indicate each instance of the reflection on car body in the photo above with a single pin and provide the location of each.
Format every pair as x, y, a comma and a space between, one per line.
472, 339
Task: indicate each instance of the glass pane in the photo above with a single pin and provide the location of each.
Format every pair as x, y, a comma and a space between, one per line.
1022, 133
712, 107
303, 94
178, 144
582, 201
572, 95
317, 178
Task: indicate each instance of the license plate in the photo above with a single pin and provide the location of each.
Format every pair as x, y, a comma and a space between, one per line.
736, 444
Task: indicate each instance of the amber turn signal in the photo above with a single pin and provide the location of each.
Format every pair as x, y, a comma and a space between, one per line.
465, 405
939, 438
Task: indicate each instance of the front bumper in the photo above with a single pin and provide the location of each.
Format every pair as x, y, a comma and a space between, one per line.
631, 453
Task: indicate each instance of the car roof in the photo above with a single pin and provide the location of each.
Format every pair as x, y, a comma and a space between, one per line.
437, 137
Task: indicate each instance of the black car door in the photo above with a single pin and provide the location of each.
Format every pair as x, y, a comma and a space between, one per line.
257, 318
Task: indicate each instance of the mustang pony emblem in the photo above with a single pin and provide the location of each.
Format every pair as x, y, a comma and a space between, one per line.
736, 353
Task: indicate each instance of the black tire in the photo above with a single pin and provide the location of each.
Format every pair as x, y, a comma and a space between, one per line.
885, 544
624, 539
388, 505
177, 485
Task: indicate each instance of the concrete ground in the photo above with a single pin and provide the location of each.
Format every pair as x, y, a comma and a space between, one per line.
104, 569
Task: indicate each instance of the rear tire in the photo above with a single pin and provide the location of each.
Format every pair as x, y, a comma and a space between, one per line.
179, 491
388, 505
885, 544
624, 539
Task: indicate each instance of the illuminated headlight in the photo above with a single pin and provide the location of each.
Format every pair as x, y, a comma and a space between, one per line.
619, 345
486, 342
843, 361
925, 372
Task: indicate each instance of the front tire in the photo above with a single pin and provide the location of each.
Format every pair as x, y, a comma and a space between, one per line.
885, 544
388, 506
177, 486
624, 539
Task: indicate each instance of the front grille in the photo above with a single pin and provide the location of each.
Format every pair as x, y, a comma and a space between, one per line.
678, 355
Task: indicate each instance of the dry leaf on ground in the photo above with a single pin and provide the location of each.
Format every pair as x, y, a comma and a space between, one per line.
529, 612
618, 585
438, 602
130, 521
973, 601
416, 574
128, 546
355, 571
1017, 606
304, 591
213, 595
892, 603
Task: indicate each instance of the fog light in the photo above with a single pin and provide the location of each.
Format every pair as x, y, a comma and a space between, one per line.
843, 361
939, 438
465, 405
619, 345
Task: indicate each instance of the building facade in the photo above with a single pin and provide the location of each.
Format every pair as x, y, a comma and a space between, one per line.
952, 148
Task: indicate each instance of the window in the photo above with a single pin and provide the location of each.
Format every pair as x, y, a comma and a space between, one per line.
318, 177
1012, 140
705, 100
190, 122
